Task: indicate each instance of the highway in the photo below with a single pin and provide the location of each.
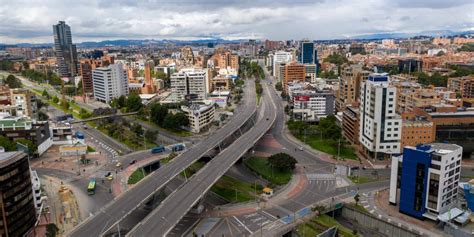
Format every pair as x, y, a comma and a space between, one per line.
146, 188
162, 220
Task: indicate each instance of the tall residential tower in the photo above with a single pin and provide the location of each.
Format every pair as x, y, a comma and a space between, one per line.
65, 50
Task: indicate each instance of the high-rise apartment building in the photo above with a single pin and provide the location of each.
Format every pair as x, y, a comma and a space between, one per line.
190, 82
18, 212
280, 57
308, 53
352, 76
110, 82
65, 50
293, 72
227, 60
86, 74
379, 124
463, 86
425, 179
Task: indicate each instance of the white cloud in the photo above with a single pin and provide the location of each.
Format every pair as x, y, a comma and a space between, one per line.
31, 21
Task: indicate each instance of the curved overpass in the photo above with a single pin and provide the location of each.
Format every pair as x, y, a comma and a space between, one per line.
162, 220
133, 198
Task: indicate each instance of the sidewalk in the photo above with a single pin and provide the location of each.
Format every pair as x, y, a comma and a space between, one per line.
120, 183
377, 204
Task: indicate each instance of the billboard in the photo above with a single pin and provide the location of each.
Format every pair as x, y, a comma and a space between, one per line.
301, 98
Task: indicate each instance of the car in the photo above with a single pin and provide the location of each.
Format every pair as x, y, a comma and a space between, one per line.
118, 164
85, 127
133, 162
300, 148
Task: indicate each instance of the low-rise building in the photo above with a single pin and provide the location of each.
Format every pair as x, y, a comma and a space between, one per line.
424, 181
25, 102
416, 130
15, 128
200, 116
312, 105
61, 133
221, 83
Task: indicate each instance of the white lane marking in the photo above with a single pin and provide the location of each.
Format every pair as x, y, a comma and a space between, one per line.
240, 222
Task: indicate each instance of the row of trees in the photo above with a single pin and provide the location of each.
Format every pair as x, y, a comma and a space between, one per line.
39, 77
326, 128
132, 103
161, 116
251, 69
258, 87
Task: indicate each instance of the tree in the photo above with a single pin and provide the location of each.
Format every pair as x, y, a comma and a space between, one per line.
12, 82
329, 127
55, 99
318, 208
357, 198
133, 103
137, 129
158, 113
282, 162
79, 88
42, 116
8, 144
65, 105
32, 148
278, 86
182, 119
151, 135
46, 94
84, 113
51, 230
175, 121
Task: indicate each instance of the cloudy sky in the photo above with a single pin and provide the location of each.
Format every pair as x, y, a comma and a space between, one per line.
93, 20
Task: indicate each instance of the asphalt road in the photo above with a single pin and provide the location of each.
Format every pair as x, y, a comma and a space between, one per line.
162, 220
136, 196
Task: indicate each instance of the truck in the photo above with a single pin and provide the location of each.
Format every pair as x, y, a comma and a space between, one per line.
157, 149
177, 147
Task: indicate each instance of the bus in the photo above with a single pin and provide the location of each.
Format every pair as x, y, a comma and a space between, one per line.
91, 187
177, 147
157, 149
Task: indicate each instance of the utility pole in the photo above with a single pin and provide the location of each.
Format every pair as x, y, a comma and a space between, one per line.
339, 149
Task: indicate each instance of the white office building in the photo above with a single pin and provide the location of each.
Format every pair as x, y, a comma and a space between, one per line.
200, 116
424, 181
380, 126
190, 82
110, 82
280, 57
36, 186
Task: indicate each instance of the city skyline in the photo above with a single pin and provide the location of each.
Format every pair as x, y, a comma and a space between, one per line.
96, 20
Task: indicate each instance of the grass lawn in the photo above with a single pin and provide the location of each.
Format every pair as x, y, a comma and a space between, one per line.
192, 169
90, 149
181, 133
329, 222
327, 146
307, 230
137, 176
235, 190
259, 165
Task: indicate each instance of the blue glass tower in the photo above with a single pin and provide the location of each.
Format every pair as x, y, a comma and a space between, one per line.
308, 53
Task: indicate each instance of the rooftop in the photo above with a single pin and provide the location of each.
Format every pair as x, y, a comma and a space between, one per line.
7, 158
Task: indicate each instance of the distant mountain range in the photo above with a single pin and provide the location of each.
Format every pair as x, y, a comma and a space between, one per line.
125, 42
394, 35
